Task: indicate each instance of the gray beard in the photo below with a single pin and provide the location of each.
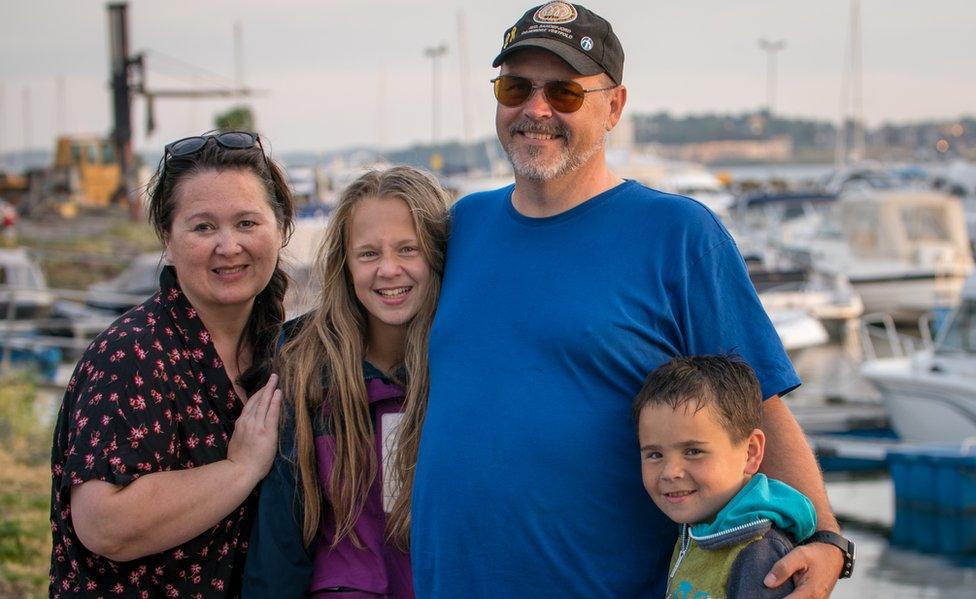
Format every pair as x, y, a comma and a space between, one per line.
525, 165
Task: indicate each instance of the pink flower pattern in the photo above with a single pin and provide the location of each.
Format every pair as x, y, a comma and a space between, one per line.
150, 394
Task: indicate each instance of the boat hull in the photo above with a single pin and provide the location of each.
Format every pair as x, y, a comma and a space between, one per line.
924, 404
906, 298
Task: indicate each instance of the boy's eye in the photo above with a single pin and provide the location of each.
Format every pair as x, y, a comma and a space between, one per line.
653, 455
693, 451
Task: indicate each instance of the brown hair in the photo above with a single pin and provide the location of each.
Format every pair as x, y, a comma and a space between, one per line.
726, 382
264, 324
329, 348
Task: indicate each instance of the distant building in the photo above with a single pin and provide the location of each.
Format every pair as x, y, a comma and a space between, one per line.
777, 149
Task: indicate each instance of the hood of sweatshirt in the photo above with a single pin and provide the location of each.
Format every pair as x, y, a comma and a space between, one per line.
762, 503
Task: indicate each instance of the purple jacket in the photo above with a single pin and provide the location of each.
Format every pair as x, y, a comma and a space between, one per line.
278, 565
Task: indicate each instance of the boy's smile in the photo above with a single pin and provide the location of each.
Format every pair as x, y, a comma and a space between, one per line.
690, 465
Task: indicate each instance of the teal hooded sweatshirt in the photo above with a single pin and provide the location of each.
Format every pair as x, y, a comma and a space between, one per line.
730, 556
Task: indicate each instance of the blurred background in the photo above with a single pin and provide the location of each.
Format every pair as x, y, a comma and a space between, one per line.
835, 139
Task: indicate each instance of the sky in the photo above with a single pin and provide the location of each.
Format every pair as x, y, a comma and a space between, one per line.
341, 73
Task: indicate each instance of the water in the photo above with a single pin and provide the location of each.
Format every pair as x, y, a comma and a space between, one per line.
867, 505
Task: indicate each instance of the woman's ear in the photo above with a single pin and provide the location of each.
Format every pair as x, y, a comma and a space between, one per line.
755, 447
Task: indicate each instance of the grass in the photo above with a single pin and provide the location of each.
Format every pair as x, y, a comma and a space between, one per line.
25, 489
76, 252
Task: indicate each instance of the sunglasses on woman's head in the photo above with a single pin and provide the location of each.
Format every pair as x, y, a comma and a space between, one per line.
563, 96
232, 140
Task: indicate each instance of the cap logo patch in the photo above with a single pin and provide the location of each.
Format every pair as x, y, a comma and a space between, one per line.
586, 43
555, 13
510, 36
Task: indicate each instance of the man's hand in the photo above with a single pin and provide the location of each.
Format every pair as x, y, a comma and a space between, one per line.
814, 568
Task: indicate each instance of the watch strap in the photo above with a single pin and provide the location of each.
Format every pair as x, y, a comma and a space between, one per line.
844, 544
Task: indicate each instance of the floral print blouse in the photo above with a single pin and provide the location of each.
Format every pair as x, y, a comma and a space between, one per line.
150, 394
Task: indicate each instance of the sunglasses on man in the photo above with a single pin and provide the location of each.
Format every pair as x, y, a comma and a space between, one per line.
563, 96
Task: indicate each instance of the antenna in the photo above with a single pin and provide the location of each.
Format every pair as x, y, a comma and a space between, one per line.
465, 76
27, 121
238, 55
851, 96
59, 91
3, 122
381, 133
466, 116
434, 54
771, 48
857, 90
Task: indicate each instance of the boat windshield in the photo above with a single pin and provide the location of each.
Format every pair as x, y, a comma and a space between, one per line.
960, 331
925, 223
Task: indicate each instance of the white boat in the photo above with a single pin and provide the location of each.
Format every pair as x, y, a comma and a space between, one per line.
23, 290
672, 176
131, 287
797, 329
930, 394
906, 251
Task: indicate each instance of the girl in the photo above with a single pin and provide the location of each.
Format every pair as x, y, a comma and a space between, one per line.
334, 512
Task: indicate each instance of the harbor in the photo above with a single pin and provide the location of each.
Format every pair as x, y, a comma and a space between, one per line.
858, 229
845, 413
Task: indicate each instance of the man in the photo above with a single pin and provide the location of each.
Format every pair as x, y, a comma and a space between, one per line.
559, 295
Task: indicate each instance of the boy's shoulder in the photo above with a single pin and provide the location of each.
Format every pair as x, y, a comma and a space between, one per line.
754, 562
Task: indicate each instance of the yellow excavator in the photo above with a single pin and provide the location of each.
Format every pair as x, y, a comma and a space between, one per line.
86, 169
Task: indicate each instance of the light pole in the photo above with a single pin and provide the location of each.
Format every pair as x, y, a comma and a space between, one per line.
771, 47
434, 54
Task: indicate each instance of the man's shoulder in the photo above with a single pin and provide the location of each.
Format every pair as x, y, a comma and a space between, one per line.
648, 198
482, 199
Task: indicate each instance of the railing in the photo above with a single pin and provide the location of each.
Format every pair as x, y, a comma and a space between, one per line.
80, 321
881, 326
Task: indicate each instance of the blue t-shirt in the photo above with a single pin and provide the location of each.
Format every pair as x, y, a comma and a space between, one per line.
528, 480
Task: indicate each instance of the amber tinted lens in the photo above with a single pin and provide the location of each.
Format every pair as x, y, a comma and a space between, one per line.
511, 91
564, 96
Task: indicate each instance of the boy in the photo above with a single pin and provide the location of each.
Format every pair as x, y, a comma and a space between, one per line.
698, 423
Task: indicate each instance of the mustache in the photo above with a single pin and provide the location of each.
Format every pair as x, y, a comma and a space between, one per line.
526, 125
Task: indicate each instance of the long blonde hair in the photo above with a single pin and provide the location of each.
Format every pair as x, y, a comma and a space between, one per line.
323, 362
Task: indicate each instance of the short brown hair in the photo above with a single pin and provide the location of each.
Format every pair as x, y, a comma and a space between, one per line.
725, 381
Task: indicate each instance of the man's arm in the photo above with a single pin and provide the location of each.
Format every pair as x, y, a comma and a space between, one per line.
814, 567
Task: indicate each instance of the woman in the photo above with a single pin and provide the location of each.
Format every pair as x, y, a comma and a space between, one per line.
334, 513
156, 455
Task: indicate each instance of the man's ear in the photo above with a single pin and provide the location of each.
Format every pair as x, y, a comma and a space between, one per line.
755, 447
618, 98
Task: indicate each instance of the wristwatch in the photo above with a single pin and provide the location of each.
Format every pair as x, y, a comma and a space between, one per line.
845, 545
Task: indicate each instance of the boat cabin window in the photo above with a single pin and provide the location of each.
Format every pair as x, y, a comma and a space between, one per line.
960, 331
925, 223
862, 229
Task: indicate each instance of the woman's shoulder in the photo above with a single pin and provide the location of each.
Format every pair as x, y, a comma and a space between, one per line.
126, 345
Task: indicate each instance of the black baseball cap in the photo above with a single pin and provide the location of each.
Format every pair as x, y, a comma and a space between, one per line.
572, 32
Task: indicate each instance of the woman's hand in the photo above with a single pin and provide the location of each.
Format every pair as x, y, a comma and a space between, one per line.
255, 439
164, 509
